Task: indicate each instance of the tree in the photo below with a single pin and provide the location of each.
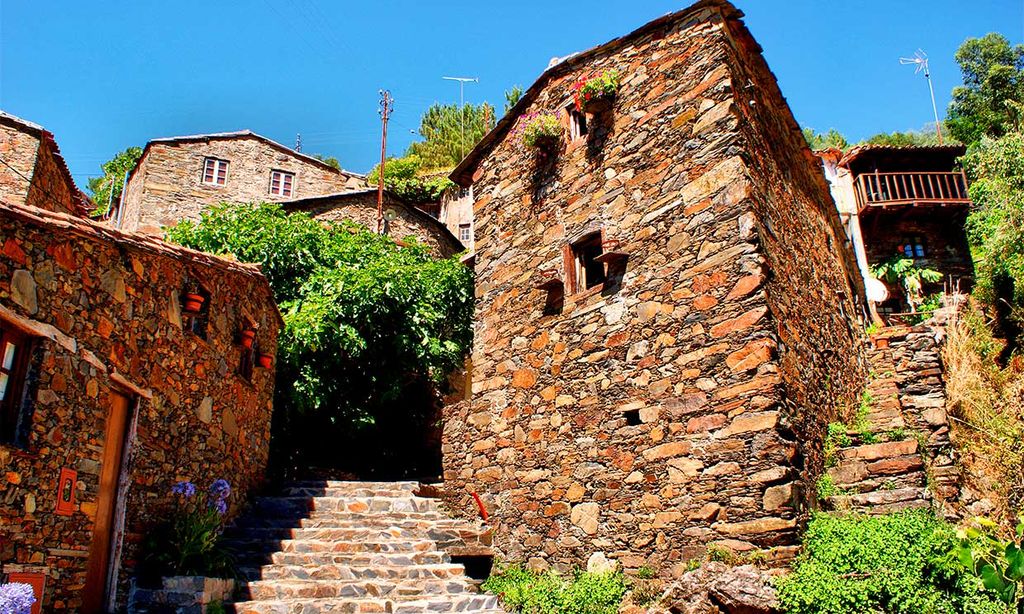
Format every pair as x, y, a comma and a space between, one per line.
106, 189
910, 277
995, 225
832, 138
450, 133
993, 74
512, 96
328, 160
924, 136
406, 178
371, 329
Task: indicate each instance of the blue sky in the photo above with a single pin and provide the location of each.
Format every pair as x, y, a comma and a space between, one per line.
105, 75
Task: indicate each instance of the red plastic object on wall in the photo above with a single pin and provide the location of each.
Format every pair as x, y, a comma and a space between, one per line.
66, 492
480, 506
38, 583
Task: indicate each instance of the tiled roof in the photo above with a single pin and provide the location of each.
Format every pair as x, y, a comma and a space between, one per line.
90, 229
859, 150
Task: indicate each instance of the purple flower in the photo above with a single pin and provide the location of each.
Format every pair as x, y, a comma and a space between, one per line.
220, 505
186, 488
16, 598
220, 490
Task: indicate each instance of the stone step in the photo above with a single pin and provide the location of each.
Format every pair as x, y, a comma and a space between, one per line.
354, 559
346, 491
883, 501
341, 520
442, 571
469, 603
876, 451
351, 533
329, 545
404, 486
355, 505
271, 590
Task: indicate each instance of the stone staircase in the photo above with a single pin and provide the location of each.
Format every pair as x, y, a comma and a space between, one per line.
901, 456
332, 546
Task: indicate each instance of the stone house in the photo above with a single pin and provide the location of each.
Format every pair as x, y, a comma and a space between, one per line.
33, 172
401, 219
907, 200
112, 389
176, 178
668, 315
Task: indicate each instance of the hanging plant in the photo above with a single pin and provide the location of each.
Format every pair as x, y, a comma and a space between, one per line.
540, 130
595, 94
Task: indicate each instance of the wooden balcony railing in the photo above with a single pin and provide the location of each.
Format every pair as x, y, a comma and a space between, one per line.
884, 189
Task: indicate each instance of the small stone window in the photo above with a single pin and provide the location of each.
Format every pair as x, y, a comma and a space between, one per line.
246, 362
15, 349
577, 122
281, 183
465, 233
215, 171
584, 269
913, 247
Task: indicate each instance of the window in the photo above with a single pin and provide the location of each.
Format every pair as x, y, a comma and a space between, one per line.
585, 270
215, 171
15, 348
577, 123
913, 247
465, 233
281, 183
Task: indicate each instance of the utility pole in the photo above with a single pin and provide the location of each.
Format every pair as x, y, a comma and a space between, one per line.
298, 142
462, 109
386, 106
920, 60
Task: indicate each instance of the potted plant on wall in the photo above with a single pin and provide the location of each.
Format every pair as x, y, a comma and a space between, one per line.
247, 337
596, 94
541, 131
192, 300
264, 360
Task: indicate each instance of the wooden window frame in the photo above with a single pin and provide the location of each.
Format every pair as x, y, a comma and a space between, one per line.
916, 244
469, 233
219, 169
280, 176
578, 127
16, 373
576, 265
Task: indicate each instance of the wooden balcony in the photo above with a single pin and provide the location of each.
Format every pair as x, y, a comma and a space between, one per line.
893, 189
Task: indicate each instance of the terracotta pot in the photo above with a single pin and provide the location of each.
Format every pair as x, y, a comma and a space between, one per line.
248, 337
881, 342
265, 360
599, 105
194, 302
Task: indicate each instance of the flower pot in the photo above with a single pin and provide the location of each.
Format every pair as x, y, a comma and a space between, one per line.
194, 302
599, 104
264, 361
248, 336
881, 342
546, 144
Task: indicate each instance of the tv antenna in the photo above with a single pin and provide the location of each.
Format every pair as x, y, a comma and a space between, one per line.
920, 61
462, 109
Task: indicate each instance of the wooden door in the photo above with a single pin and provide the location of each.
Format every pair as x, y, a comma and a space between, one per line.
114, 448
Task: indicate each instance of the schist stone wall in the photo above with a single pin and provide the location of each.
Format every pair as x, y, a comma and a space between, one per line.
361, 207
103, 313
683, 402
39, 176
167, 184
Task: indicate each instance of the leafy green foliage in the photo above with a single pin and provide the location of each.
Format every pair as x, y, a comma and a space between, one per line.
405, 177
546, 592
988, 103
450, 133
328, 160
365, 320
512, 96
995, 226
910, 277
897, 564
818, 141
999, 564
188, 543
925, 136
106, 189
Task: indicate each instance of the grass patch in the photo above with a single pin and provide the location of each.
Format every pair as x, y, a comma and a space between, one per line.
530, 592
900, 563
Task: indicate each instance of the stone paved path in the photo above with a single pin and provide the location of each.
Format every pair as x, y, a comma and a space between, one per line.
905, 460
353, 547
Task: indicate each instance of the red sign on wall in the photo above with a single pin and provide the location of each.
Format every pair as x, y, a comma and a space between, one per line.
66, 492
38, 583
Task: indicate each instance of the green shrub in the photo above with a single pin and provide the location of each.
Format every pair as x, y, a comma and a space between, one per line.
999, 564
899, 564
546, 592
